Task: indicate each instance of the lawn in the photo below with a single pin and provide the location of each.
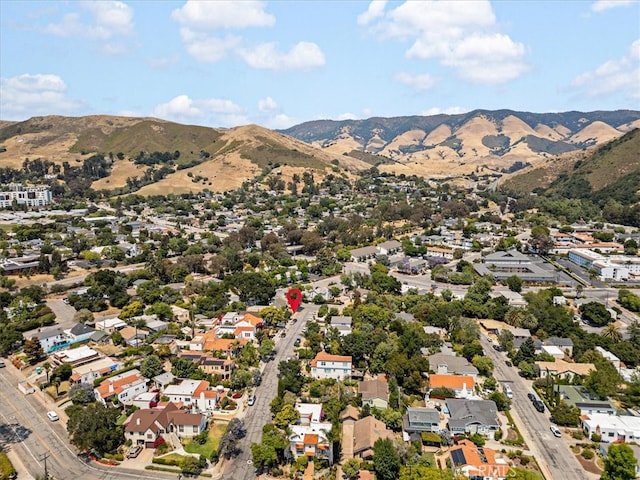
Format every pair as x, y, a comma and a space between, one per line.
215, 434
5, 466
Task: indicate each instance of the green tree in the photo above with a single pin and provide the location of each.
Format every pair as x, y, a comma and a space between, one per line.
604, 380
595, 313
483, 364
501, 400
290, 376
472, 349
151, 366
266, 347
514, 283
82, 393
33, 349
565, 414
351, 468
620, 463
386, 460
94, 426
288, 415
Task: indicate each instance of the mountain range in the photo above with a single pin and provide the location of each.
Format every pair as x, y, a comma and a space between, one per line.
201, 158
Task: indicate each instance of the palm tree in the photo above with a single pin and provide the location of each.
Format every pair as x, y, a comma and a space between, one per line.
612, 332
47, 367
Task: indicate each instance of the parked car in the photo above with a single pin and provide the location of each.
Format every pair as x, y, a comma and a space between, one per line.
297, 342
2, 364
134, 451
539, 406
283, 334
508, 364
252, 400
531, 396
53, 416
556, 431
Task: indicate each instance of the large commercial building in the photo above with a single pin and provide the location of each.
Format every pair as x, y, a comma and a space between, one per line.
31, 196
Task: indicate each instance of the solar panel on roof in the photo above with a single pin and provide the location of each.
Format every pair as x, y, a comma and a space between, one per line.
457, 456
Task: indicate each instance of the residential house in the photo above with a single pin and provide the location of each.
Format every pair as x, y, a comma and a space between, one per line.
146, 400
420, 419
146, 426
363, 254
122, 387
366, 431
325, 365
210, 364
51, 338
110, 324
565, 344
462, 385
91, 371
375, 393
472, 416
577, 396
389, 247
74, 356
79, 333
478, 462
133, 336
311, 441
309, 413
444, 364
609, 356
440, 252
342, 323
162, 380
612, 428
196, 394
562, 369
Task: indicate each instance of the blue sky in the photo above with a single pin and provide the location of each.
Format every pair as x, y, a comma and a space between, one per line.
280, 63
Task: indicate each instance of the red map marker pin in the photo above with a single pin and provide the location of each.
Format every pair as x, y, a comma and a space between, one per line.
294, 297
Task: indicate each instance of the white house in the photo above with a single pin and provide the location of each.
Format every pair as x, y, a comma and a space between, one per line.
612, 428
123, 387
325, 365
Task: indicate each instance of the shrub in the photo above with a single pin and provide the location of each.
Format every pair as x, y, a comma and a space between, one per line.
578, 435
587, 454
595, 437
497, 436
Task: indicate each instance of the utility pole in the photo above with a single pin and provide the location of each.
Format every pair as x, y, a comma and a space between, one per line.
44, 458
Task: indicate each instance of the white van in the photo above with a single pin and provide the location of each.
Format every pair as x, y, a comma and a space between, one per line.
53, 416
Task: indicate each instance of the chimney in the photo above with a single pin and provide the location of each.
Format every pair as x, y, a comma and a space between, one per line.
138, 421
110, 387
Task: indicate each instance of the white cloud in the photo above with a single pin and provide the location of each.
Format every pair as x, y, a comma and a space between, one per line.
207, 48
419, 82
199, 15
448, 111
347, 116
620, 76
28, 95
267, 105
302, 56
602, 5
375, 10
462, 35
201, 23
185, 109
280, 122
109, 19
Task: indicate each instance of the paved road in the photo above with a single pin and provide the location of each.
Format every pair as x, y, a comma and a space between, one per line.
27, 432
260, 414
552, 453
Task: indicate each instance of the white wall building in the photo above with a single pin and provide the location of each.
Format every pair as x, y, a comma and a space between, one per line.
326, 365
31, 196
612, 428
